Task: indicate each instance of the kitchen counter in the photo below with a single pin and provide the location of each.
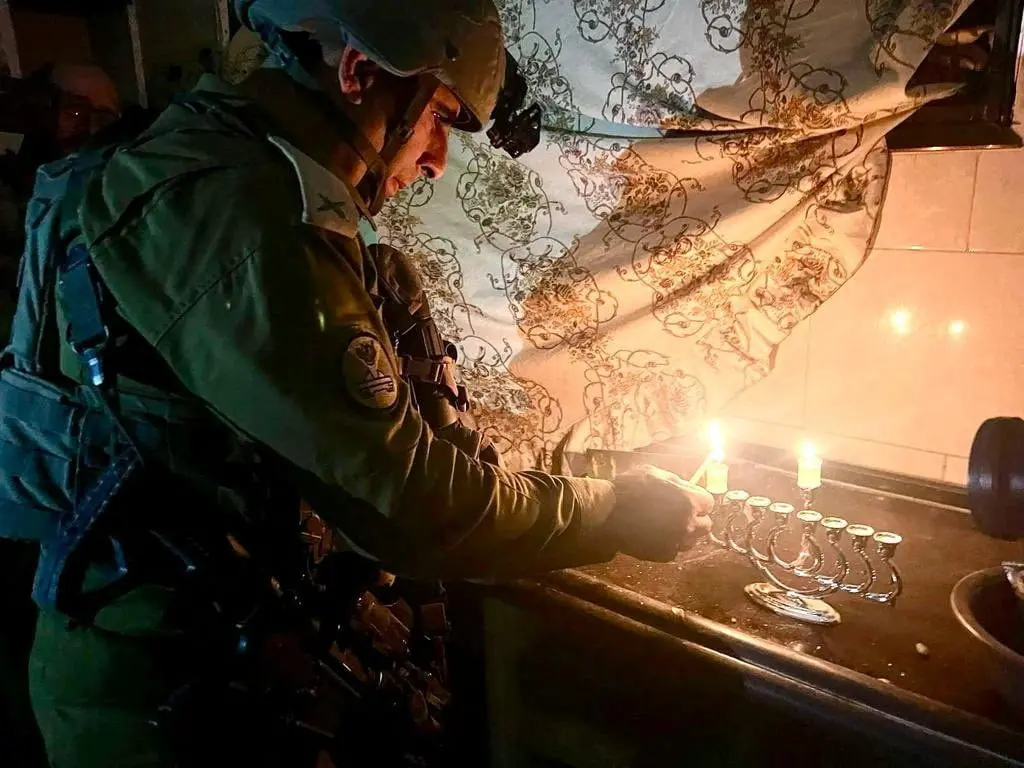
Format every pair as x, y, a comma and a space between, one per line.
865, 676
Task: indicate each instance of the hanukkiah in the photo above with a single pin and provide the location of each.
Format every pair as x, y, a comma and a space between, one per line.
827, 555
757, 527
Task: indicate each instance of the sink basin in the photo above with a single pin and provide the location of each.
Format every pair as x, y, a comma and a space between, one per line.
985, 604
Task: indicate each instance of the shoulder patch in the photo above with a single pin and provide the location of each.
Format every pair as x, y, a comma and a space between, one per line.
369, 375
326, 200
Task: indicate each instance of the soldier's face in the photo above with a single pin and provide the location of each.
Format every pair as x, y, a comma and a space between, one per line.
426, 152
372, 96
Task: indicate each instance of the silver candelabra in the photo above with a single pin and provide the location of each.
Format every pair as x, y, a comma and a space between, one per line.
796, 586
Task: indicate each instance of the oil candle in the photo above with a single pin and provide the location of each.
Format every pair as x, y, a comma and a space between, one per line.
808, 471
717, 479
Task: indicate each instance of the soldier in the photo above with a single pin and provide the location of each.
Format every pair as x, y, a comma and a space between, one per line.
217, 333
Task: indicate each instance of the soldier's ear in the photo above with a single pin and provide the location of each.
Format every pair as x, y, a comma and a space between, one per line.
357, 74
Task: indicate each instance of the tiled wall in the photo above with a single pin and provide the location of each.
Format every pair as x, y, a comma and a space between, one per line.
901, 366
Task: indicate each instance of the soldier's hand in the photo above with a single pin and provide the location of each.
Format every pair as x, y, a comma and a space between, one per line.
657, 514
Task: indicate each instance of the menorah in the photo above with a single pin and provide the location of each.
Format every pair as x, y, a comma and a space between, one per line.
819, 571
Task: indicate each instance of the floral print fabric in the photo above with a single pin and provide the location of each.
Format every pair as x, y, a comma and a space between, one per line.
710, 173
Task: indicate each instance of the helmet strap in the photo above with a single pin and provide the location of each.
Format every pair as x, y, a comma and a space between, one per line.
372, 186
370, 198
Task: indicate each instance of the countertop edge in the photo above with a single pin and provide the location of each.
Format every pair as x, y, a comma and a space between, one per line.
803, 676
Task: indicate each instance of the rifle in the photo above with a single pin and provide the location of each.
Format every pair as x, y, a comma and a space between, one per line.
330, 657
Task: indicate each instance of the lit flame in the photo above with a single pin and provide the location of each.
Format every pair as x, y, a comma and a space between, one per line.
717, 441
956, 328
807, 451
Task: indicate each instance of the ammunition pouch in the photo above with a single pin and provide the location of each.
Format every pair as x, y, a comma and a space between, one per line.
327, 656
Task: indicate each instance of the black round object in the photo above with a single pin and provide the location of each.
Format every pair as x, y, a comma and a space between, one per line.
995, 478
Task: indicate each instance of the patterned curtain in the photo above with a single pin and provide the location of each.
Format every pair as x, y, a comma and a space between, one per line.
710, 173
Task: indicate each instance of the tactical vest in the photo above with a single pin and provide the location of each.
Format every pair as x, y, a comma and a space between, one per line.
69, 452
72, 455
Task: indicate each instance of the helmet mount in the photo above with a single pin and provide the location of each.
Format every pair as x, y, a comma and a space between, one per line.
514, 129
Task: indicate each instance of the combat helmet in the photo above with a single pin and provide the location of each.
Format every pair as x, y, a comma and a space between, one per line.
455, 42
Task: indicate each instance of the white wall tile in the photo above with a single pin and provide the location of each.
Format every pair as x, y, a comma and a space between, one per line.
906, 380
778, 398
850, 450
996, 221
868, 453
928, 201
956, 470
741, 430
905, 392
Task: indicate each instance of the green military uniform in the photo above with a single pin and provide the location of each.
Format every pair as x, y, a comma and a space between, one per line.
234, 253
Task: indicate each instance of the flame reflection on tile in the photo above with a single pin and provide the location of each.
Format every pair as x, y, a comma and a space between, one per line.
931, 389
900, 319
